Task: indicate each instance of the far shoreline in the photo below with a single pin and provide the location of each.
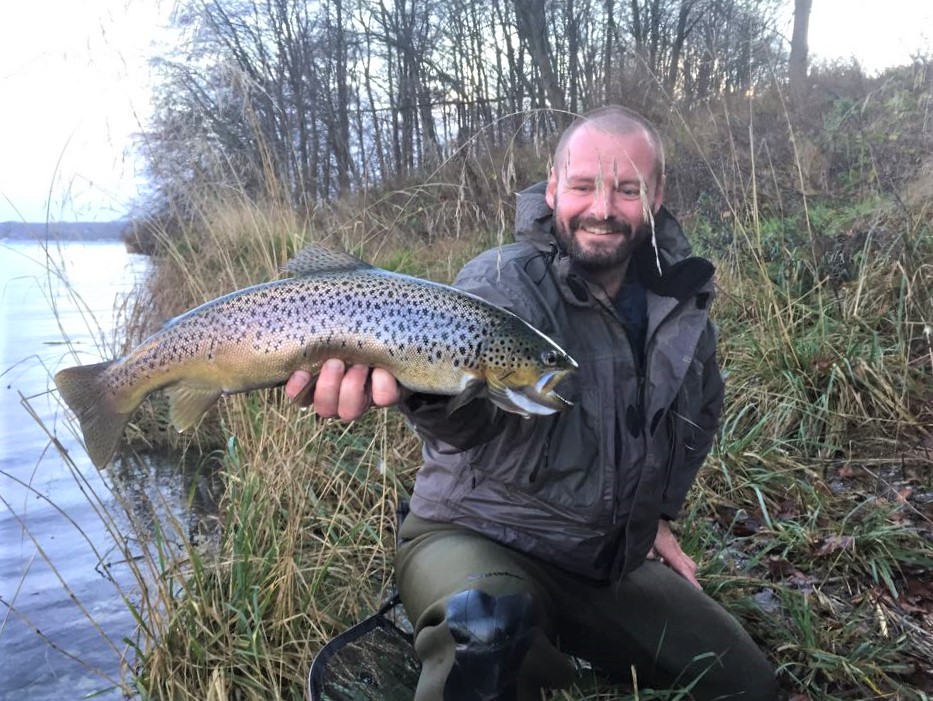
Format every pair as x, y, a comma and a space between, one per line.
64, 231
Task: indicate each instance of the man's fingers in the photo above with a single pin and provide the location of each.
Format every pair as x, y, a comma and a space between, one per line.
327, 391
686, 568
354, 393
668, 550
300, 387
384, 388
341, 391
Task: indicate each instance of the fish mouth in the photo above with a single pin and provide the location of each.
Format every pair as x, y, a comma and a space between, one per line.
543, 389
538, 399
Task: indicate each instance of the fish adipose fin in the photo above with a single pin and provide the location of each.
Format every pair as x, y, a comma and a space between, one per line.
188, 403
315, 259
101, 423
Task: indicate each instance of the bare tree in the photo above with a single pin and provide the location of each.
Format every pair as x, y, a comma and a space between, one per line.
320, 99
797, 64
533, 32
685, 24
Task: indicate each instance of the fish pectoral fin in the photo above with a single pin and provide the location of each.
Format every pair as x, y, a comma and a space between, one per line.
475, 388
188, 403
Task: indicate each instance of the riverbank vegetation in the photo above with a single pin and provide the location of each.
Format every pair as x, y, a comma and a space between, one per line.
402, 137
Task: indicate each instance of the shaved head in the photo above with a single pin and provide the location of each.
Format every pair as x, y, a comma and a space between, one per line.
618, 121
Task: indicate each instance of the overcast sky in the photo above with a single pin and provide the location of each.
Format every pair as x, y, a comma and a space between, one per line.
74, 89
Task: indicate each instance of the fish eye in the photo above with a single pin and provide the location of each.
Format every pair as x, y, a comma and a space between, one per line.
550, 357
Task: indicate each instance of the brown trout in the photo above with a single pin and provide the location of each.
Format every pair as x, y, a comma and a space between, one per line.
432, 337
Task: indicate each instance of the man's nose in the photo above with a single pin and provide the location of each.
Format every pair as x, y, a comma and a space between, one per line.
604, 202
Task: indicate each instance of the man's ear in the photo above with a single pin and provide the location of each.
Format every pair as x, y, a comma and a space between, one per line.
551, 191
659, 194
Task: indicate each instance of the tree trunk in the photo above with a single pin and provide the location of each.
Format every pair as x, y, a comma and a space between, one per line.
532, 28
798, 50
608, 51
680, 37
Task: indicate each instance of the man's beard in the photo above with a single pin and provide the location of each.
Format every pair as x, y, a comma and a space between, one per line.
601, 259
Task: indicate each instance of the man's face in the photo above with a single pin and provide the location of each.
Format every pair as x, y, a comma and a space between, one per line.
603, 191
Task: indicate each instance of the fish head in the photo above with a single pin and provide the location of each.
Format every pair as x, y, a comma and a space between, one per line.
522, 367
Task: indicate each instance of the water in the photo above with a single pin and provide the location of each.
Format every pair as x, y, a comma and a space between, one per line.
62, 619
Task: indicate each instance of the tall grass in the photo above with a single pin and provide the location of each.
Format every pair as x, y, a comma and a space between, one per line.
300, 553
811, 520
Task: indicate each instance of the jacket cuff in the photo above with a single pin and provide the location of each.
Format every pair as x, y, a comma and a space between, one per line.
413, 401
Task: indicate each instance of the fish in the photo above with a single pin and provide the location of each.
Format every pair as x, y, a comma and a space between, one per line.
432, 337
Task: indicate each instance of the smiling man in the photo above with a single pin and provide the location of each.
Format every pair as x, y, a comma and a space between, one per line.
604, 189
533, 539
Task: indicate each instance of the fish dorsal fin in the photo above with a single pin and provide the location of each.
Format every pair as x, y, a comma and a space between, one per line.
315, 259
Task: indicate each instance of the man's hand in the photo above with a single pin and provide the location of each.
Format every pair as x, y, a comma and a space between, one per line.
667, 550
342, 392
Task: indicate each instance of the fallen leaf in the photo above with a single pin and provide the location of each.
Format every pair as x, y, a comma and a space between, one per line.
903, 494
834, 543
846, 471
779, 568
767, 601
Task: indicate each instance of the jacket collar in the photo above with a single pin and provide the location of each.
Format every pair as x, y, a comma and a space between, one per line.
680, 275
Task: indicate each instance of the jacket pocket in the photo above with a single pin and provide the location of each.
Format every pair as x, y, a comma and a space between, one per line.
684, 435
568, 472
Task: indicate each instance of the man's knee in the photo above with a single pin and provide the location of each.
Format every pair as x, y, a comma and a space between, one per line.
492, 636
759, 678
739, 675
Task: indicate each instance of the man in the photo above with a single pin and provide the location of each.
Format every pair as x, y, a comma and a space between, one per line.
531, 539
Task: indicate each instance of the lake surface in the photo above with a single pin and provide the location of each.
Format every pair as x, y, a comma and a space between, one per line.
62, 618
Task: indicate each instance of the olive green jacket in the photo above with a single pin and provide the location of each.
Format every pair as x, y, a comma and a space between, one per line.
583, 488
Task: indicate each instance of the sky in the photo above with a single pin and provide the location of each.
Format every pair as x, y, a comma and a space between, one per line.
74, 89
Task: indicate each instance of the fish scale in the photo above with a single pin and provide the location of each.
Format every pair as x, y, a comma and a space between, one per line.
433, 338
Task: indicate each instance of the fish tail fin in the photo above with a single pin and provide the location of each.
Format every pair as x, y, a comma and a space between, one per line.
85, 392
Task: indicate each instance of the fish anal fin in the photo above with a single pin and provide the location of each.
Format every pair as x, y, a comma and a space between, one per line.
188, 403
316, 259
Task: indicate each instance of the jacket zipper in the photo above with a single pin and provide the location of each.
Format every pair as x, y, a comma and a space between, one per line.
546, 462
672, 443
